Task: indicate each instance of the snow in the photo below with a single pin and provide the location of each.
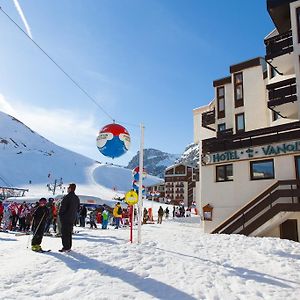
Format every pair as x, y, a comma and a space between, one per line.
174, 261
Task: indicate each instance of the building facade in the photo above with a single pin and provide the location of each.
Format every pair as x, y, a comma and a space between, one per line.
180, 184
249, 138
156, 192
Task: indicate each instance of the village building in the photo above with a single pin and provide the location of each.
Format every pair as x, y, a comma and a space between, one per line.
249, 139
156, 192
180, 184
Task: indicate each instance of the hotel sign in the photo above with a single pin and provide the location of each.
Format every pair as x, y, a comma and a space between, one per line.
250, 153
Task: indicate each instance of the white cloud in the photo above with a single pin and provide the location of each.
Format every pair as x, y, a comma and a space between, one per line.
20, 11
72, 130
68, 129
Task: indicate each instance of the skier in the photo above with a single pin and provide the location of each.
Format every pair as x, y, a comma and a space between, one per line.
104, 219
82, 213
117, 213
160, 215
39, 222
167, 212
1, 212
49, 220
92, 216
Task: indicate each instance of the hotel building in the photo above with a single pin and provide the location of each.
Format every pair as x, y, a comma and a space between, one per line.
249, 139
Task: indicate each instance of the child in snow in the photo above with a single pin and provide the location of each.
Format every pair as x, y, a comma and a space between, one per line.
40, 217
104, 219
92, 216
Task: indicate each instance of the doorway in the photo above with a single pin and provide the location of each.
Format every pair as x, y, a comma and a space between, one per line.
289, 230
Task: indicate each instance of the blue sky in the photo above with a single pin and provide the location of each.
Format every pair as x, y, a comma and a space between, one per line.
149, 61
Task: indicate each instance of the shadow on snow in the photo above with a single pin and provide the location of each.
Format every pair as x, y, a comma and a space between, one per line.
150, 286
243, 272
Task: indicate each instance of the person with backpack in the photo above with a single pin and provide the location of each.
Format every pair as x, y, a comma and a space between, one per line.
92, 216
117, 213
40, 217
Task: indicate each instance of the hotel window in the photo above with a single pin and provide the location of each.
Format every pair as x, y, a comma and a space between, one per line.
221, 102
221, 127
240, 122
263, 169
224, 173
238, 90
298, 22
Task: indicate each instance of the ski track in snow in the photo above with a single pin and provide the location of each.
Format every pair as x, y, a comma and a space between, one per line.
174, 261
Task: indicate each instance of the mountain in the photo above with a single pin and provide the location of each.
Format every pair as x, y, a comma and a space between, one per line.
155, 161
30, 161
190, 156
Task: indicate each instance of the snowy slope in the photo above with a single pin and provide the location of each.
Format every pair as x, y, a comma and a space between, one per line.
27, 159
175, 261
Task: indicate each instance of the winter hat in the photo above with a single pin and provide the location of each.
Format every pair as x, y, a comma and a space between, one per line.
43, 201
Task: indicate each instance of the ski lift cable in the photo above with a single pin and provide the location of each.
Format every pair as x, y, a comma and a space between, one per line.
62, 70
5, 181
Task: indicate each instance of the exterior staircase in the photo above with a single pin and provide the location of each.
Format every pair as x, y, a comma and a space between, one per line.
282, 196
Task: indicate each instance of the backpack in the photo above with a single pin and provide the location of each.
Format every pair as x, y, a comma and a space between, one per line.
119, 210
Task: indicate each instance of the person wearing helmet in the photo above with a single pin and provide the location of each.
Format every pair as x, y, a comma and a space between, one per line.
40, 217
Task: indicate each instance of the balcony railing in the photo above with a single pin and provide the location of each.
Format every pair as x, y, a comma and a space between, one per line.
282, 92
208, 118
258, 137
225, 132
279, 45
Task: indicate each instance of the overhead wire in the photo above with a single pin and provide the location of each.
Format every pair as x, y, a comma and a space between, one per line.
60, 68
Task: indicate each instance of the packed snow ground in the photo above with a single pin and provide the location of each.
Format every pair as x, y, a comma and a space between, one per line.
174, 261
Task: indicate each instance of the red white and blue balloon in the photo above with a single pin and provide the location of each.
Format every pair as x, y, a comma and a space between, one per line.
136, 173
135, 186
113, 140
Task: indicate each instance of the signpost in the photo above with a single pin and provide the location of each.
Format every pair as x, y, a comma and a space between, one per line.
131, 198
140, 202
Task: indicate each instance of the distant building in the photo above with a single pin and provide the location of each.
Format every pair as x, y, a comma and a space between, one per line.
156, 192
180, 183
249, 139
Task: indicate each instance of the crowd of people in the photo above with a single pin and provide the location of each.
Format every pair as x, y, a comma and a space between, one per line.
61, 215
19, 217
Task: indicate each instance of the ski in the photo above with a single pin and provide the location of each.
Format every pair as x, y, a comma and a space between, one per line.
22, 233
43, 251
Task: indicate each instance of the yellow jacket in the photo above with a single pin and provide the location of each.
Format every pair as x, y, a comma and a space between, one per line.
115, 212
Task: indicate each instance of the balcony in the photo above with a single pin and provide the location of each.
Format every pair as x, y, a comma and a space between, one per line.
208, 118
279, 45
257, 137
225, 132
282, 92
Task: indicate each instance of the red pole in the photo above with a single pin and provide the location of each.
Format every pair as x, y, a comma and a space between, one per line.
131, 221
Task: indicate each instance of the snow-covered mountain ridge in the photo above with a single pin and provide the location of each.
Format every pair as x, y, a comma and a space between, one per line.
29, 160
190, 156
155, 161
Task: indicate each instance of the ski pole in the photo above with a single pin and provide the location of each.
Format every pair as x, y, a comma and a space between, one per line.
28, 240
37, 228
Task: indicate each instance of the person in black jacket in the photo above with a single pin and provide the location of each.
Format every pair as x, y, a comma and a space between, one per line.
40, 216
82, 214
67, 214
